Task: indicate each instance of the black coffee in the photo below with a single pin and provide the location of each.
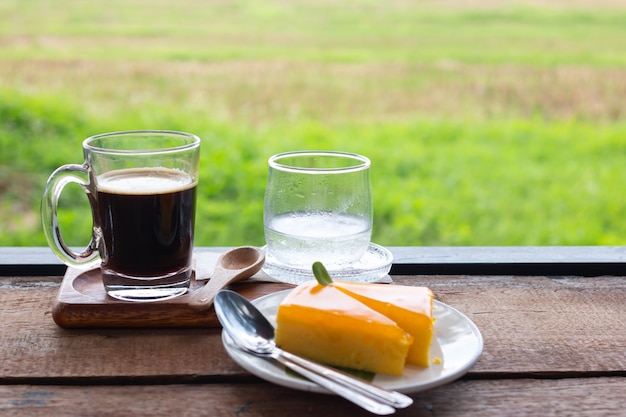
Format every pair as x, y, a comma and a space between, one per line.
147, 221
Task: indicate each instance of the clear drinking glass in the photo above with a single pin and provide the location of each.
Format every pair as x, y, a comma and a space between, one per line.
142, 189
318, 207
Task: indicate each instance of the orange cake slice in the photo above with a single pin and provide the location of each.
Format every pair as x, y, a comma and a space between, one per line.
325, 324
410, 307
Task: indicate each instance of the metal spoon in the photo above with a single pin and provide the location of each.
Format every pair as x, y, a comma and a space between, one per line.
233, 265
252, 332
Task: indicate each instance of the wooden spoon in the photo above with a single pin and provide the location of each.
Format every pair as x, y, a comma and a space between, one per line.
234, 265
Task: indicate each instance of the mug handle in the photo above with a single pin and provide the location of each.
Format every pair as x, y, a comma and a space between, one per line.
71, 173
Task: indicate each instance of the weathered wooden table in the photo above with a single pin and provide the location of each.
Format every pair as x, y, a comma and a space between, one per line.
553, 344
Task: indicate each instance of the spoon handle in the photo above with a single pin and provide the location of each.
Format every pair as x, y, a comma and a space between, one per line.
202, 299
393, 398
364, 401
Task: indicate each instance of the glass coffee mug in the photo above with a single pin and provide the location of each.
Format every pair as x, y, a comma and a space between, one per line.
318, 207
142, 189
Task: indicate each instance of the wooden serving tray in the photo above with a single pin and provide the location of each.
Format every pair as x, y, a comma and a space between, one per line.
82, 303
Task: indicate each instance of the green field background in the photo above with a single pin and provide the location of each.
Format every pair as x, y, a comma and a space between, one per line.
487, 123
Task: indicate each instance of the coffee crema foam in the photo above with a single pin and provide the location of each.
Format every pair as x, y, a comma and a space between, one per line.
144, 181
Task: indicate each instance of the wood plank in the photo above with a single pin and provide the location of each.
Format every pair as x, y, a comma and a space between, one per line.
481, 398
540, 325
509, 260
33, 346
567, 326
450, 260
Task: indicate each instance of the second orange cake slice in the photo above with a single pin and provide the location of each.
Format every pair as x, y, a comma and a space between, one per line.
410, 307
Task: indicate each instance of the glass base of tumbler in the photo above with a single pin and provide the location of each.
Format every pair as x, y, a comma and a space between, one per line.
142, 289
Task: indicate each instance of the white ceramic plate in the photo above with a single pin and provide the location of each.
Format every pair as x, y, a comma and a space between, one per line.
458, 343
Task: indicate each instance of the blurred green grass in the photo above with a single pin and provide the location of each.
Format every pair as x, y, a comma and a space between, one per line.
494, 125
